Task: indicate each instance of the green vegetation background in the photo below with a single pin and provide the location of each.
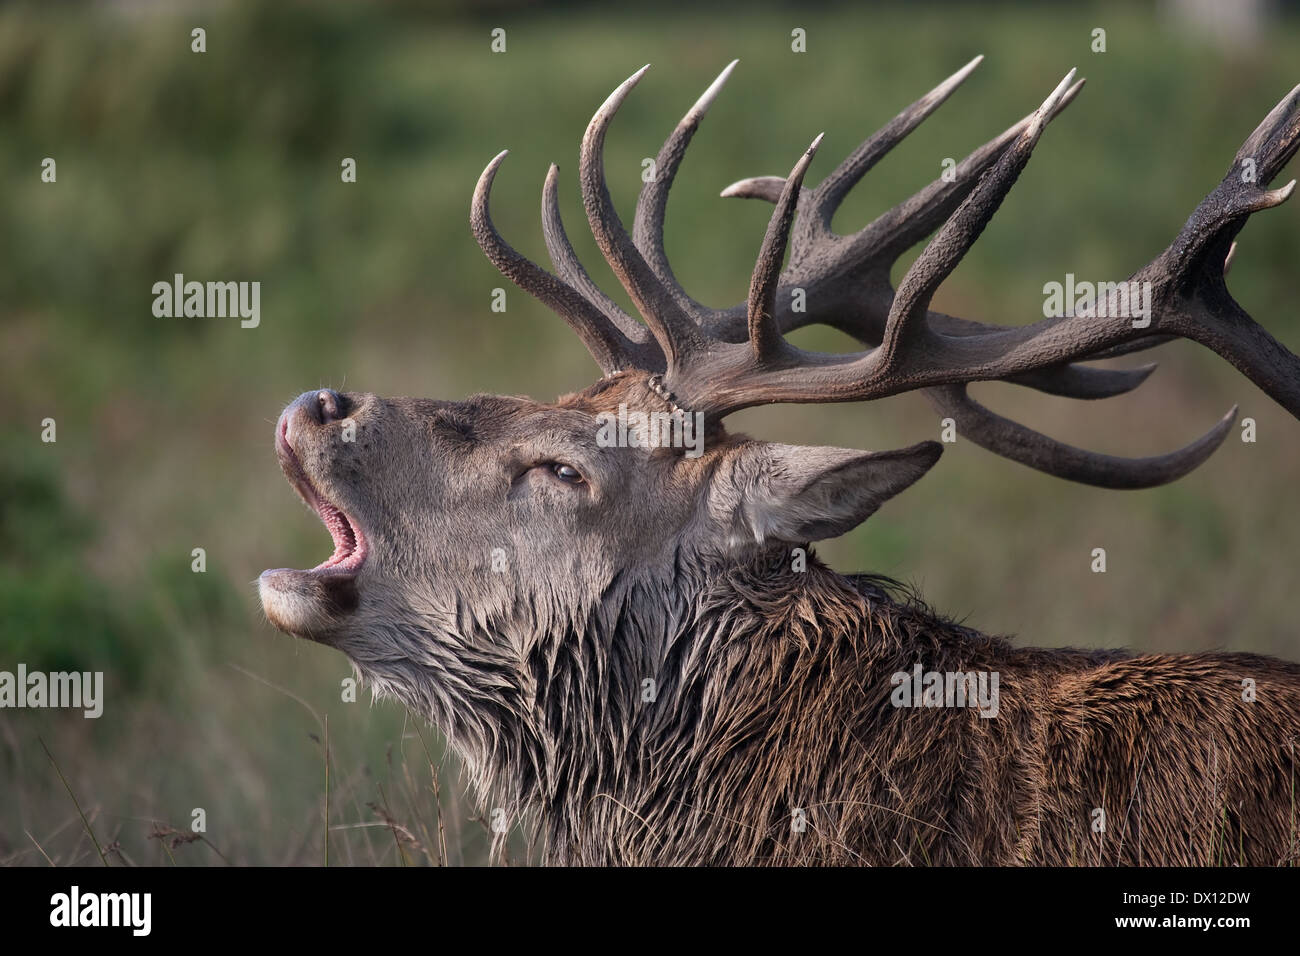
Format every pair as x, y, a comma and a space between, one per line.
225, 165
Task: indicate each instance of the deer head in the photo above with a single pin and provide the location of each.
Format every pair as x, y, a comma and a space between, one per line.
502, 569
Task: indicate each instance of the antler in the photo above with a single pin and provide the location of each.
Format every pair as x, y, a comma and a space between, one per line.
718, 361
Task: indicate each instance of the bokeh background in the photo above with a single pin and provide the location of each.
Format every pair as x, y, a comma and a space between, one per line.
226, 165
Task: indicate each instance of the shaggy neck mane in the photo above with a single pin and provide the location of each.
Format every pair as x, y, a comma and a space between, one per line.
616, 725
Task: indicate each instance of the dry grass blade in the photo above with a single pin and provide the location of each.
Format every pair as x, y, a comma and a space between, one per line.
84, 821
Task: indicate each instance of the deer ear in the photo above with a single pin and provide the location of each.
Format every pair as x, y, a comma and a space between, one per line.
796, 493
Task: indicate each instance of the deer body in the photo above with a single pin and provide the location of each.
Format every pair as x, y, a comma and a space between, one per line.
783, 747
617, 640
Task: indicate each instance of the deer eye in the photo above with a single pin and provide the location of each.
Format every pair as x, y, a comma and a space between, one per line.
566, 473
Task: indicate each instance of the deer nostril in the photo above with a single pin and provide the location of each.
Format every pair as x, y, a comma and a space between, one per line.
330, 404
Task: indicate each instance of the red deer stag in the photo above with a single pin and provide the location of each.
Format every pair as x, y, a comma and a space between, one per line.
619, 636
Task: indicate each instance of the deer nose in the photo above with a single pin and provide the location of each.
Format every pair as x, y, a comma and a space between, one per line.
320, 407
324, 406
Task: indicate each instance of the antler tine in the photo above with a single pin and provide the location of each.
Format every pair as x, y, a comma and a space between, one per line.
1203, 248
673, 328
652, 203
898, 229
1083, 381
1274, 141
1019, 443
907, 315
826, 198
764, 333
571, 271
757, 187
609, 346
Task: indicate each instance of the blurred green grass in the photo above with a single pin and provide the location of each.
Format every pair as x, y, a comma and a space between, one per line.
225, 165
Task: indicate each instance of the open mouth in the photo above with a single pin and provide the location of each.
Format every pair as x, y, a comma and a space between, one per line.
349, 542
